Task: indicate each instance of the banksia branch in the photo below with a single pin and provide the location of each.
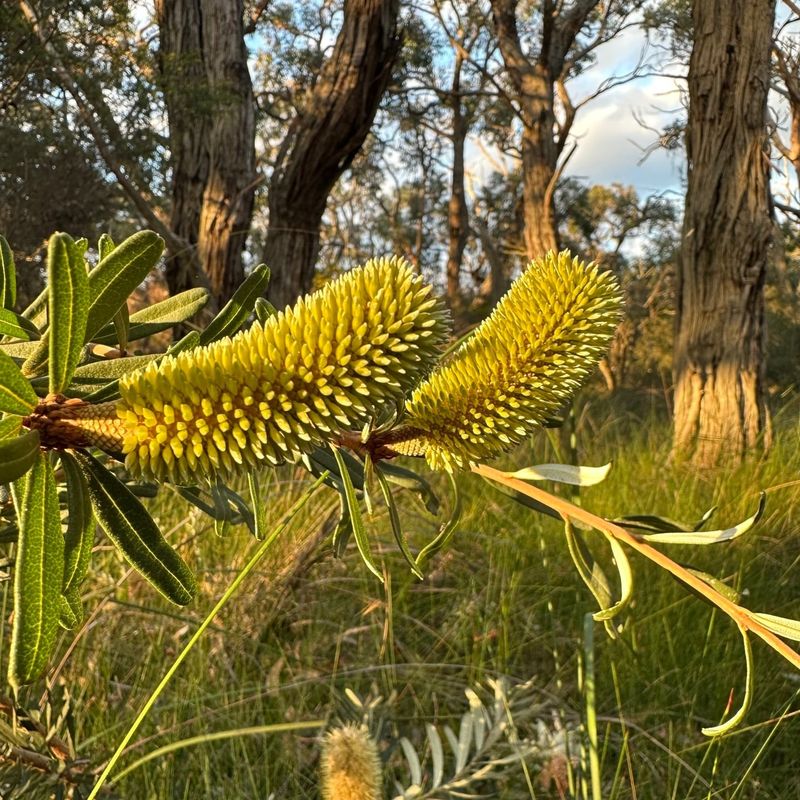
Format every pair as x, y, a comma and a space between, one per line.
542, 340
328, 364
350, 766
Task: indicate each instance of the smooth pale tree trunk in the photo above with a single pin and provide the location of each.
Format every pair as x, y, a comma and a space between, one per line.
322, 140
211, 110
720, 408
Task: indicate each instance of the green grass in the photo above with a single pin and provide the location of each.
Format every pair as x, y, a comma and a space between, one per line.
503, 600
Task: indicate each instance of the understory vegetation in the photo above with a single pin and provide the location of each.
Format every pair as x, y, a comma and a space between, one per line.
308, 634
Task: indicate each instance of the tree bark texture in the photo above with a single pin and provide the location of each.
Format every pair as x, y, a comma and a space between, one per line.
533, 80
720, 408
457, 215
331, 124
211, 109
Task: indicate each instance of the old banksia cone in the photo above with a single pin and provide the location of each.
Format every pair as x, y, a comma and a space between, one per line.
542, 340
349, 766
279, 389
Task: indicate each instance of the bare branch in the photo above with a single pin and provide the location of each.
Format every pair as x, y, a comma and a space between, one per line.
795, 212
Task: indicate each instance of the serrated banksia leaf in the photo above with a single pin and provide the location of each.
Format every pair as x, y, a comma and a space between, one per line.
326, 365
521, 364
350, 768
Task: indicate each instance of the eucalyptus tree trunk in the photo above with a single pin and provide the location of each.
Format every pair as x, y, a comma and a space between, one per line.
326, 134
457, 215
720, 408
536, 80
209, 98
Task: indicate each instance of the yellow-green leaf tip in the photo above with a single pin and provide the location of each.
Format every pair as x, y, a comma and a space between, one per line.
328, 364
350, 768
542, 340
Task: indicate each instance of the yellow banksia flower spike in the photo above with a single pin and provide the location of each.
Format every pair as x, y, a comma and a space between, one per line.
350, 768
271, 393
520, 365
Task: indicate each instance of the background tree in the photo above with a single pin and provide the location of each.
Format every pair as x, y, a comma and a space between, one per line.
720, 409
203, 73
541, 54
329, 123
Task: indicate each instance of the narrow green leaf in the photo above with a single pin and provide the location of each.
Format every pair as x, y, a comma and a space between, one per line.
321, 460
100, 372
258, 505
112, 368
357, 522
369, 473
18, 350
120, 320
194, 496
105, 246
127, 523
719, 730
117, 275
437, 755
16, 394
563, 473
414, 765
591, 573
68, 307
92, 378
343, 529
264, 309
705, 518
239, 307
188, 342
397, 528
714, 583
16, 326
708, 537
415, 483
464, 741
655, 524
625, 582
79, 535
18, 455
70, 610
238, 510
38, 572
447, 529
158, 317
122, 325
8, 275
9, 427
784, 627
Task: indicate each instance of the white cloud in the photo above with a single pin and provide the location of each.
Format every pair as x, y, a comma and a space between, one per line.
611, 142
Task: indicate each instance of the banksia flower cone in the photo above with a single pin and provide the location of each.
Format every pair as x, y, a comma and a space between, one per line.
350, 767
542, 340
279, 389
